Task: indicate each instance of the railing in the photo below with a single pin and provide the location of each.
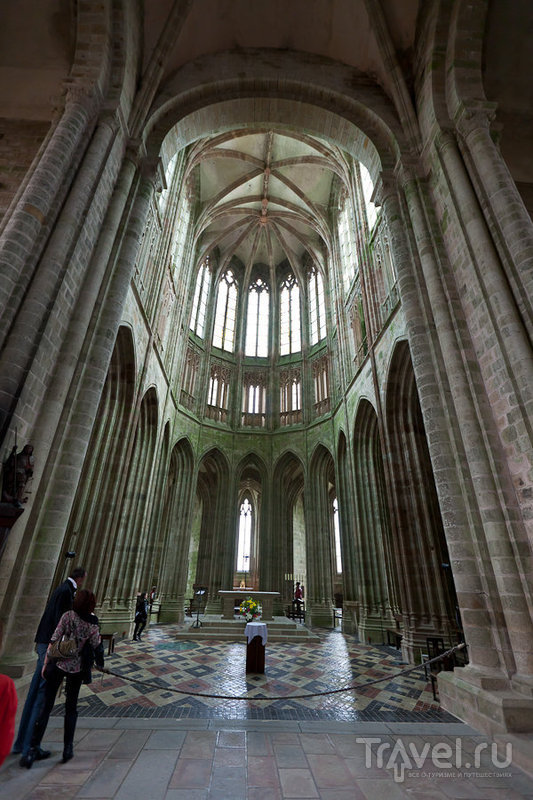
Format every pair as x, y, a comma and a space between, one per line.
290, 417
187, 400
216, 413
253, 420
322, 407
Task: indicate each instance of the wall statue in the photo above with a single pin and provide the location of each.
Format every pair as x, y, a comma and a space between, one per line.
18, 469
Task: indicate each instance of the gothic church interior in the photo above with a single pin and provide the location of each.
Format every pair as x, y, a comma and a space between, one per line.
267, 316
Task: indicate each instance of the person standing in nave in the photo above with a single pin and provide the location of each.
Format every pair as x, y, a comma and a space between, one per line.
79, 623
60, 601
141, 615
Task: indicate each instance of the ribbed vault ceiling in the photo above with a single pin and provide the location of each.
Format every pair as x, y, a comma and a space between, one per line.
264, 197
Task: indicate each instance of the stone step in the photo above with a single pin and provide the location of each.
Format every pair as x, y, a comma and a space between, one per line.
235, 636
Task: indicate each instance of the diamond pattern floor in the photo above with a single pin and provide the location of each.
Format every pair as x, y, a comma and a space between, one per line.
160, 676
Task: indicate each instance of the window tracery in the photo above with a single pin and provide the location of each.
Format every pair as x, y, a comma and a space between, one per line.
218, 392
257, 319
254, 399
320, 368
317, 307
290, 340
190, 374
226, 313
290, 389
199, 304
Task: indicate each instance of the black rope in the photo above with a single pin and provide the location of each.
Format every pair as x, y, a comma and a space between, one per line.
291, 696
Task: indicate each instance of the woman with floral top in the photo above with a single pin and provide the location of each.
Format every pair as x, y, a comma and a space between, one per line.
81, 624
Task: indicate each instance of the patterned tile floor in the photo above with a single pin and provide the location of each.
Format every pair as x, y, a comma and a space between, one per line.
135, 741
160, 676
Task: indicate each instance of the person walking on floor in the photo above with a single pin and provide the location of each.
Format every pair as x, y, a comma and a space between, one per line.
79, 623
141, 615
59, 602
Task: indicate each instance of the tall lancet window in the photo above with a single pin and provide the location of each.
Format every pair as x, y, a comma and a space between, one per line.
317, 308
199, 304
337, 534
289, 334
169, 174
245, 536
347, 246
257, 319
368, 188
226, 312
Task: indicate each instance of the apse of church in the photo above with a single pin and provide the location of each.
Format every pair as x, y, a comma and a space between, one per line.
267, 318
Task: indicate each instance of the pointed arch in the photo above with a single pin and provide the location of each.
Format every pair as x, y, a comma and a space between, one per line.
427, 596
103, 475
216, 545
176, 531
320, 490
377, 603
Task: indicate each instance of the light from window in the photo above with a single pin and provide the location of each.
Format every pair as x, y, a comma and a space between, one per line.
183, 218
199, 305
317, 309
245, 537
347, 246
336, 529
169, 174
257, 318
224, 329
290, 333
368, 188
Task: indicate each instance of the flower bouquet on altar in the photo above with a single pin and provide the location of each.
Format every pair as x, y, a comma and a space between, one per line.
249, 609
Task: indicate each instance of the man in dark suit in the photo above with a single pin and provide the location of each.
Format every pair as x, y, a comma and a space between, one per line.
60, 601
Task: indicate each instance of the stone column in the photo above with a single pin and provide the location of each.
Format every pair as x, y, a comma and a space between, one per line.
487, 168
351, 562
441, 423
319, 593
490, 595
177, 536
53, 505
505, 362
35, 337
25, 233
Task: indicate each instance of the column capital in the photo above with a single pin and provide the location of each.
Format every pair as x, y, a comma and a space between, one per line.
386, 185
408, 170
475, 116
149, 167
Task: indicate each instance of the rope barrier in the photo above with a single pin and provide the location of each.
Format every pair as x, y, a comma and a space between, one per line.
440, 657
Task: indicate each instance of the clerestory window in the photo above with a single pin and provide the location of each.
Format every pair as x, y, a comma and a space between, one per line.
368, 188
317, 308
199, 304
257, 319
347, 246
226, 313
290, 340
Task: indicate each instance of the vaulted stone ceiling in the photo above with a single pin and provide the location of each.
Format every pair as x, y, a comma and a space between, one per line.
264, 196
374, 38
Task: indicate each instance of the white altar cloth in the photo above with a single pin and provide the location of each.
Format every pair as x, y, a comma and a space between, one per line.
256, 629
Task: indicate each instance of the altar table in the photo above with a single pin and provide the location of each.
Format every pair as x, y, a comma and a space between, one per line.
265, 600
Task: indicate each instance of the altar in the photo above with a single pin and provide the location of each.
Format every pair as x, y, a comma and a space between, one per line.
265, 600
